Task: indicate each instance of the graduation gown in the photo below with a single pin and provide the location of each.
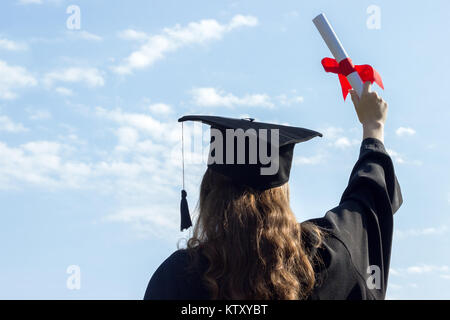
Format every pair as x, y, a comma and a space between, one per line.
356, 249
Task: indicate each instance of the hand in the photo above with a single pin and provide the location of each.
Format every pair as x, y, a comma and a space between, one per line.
372, 112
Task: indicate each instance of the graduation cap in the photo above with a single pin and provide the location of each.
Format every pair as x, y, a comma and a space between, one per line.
255, 154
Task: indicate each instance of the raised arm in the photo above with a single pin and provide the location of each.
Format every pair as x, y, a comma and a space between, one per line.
363, 221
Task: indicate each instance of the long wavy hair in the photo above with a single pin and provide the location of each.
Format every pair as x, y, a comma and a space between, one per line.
252, 241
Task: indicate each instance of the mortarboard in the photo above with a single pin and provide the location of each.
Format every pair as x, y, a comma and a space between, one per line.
255, 154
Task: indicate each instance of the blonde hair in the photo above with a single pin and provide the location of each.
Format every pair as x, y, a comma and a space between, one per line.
252, 241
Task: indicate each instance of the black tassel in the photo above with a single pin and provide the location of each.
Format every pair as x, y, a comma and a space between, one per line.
184, 209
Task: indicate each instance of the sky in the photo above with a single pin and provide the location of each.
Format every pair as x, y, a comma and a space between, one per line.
90, 146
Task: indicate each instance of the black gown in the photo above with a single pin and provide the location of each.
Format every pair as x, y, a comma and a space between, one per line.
357, 246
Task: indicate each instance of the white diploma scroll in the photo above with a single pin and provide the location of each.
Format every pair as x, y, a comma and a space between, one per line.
336, 48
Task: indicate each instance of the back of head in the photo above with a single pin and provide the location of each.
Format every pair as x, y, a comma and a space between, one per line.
252, 241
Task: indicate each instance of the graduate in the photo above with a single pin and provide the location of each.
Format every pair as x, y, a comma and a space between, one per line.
247, 244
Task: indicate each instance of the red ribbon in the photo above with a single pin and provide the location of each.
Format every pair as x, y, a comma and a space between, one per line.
345, 67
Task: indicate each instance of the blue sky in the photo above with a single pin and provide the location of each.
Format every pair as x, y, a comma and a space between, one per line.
90, 166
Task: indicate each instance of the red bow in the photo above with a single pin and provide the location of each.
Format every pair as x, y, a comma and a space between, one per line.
345, 67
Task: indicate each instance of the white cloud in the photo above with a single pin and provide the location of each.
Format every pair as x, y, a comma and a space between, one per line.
240, 21
85, 35
6, 124
342, 143
25, 2
337, 139
157, 219
396, 156
13, 78
30, 1
170, 39
394, 286
426, 269
39, 163
430, 231
128, 137
12, 45
211, 97
285, 100
400, 159
394, 272
144, 163
332, 133
92, 77
38, 114
402, 131
442, 271
64, 91
308, 160
131, 34
161, 131
160, 109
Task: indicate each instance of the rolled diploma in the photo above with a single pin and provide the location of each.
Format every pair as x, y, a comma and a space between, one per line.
336, 48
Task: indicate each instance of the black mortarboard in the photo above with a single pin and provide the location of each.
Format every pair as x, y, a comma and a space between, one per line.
250, 168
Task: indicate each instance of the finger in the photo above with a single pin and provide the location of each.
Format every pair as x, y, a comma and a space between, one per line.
377, 95
367, 87
355, 97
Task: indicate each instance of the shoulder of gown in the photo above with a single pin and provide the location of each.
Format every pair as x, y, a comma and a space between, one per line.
176, 279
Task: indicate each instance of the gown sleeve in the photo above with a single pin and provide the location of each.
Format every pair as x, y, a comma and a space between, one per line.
360, 228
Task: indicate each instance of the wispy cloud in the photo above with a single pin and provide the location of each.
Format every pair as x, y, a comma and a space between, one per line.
337, 138
39, 163
143, 164
13, 78
215, 98
91, 77
285, 100
25, 2
160, 109
344, 143
212, 97
313, 160
430, 231
85, 35
400, 159
38, 114
405, 131
10, 45
6, 124
427, 269
159, 130
30, 1
171, 39
131, 34
64, 91
157, 219
441, 271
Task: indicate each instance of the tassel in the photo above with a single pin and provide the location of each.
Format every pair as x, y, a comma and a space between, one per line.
186, 222
184, 210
